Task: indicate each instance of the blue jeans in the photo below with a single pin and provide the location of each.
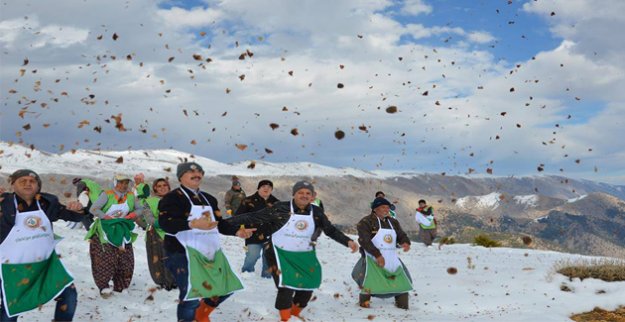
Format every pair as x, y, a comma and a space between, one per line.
65, 306
176, 263
251, 257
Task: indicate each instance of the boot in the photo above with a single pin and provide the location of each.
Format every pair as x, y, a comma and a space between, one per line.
401, 301
285, 314
296, 310
364, 300
203, 311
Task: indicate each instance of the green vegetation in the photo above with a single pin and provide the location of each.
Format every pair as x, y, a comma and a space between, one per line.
609, 270
483, 240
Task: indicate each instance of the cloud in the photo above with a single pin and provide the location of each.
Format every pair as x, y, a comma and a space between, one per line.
194, 18
415, 7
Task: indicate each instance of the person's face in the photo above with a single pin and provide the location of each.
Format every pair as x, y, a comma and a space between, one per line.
380, 195
26, 187
382, 211
302, 198
192, 179
236, 187
161, 188
122, 185
422, 204
265, 191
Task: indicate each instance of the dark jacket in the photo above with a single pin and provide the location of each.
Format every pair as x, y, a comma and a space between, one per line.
174, 211
49, 204
269, 220
367, 228
255, 203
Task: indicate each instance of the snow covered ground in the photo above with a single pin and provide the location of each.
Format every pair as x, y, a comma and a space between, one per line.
499, 284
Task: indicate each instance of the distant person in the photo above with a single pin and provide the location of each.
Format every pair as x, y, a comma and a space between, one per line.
234, 197
379, 272
427, 223
111, 236
255, 245
32, 272
317, 202
380, 194
293, 260
154, 234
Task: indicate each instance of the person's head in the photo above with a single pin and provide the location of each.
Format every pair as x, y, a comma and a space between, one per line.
80, 186
25, 183
122, 183
236, 185
161, 187
190, 174
422, 203
381, 207
265, 188
303, 194
380, 194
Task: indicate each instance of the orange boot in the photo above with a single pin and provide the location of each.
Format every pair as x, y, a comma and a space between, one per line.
203, 311
285, 314
296, 310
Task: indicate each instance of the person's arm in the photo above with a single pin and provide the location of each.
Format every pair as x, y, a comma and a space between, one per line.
96, 207
422, 220
402, 237
55, 210
246, 206
365, 229
266, 221
328, 228
171, 216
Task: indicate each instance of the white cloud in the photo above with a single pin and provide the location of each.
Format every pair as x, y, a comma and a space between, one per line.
195, 17
415, 7
480, 37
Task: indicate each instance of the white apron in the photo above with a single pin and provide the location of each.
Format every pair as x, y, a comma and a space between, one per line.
31, 271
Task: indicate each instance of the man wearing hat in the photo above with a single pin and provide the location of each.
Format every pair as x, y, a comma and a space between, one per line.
255, 244
32, 272
111, 236
292, 259
193, 252
379, 272
234, 197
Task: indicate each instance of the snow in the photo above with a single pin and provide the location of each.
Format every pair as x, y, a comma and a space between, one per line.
498, 284
490, 201
577, 199
526, 200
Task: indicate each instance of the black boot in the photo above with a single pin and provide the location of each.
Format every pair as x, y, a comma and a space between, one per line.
364, 300
401, 301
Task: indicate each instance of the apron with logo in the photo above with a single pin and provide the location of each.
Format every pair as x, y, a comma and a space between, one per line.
31, 272
210, 273
116, 231
391, 278
296, 257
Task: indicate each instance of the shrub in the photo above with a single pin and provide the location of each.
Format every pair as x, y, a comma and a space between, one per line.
483, 240
609, 270
447, 240
599, 314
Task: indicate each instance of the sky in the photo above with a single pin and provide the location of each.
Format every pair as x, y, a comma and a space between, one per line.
503, 88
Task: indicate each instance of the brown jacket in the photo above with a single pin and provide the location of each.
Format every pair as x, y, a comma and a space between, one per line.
367, 228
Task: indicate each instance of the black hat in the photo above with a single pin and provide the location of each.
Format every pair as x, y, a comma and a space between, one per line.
265, 182
23, 173
187, 166
377, 202
303, 185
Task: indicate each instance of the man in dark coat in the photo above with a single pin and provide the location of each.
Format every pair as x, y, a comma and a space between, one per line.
254, 245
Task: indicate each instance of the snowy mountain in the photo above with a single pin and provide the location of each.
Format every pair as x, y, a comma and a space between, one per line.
498, 284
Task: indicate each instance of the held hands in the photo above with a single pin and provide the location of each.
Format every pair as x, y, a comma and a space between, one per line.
245, 233
380, 261
405, 246
74, 206
352, 245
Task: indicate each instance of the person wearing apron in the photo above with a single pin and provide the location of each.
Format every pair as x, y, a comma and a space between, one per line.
111, 236
291, 253
31, 272
154, 234
427, 223
379, 272
193, 251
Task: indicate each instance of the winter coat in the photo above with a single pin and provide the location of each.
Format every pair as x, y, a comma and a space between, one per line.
233, 199
255, 203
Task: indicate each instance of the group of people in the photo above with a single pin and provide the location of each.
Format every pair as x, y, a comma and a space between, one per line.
183, 228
